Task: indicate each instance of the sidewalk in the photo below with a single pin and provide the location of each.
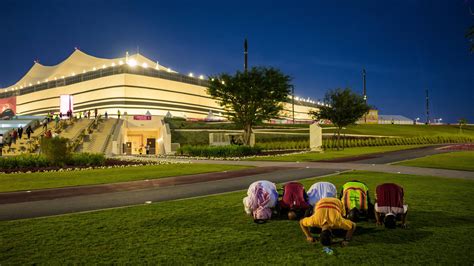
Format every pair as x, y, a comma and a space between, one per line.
47, 202
64, 192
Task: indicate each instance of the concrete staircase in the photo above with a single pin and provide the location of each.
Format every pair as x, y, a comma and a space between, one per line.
22, 145
100, 138
73, 131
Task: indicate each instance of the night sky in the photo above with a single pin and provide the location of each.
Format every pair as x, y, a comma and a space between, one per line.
405, 46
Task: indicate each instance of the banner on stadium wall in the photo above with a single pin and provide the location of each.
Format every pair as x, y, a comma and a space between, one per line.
66, 103
142, 117
8, 103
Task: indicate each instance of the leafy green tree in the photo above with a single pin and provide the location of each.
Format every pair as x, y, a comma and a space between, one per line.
251, 97
470, 37
344, 108
55, 150
462, 123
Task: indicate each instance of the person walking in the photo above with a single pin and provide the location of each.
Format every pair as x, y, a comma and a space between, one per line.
118, 114
89, 114
106, 115
95, 113
56, 120
1, 144
14, 136
20, 132
45, 124
29, 131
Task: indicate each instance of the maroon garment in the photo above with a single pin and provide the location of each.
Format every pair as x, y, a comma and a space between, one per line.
389, 195
294, 197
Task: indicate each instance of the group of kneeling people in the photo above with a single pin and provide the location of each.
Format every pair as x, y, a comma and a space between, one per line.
320, 211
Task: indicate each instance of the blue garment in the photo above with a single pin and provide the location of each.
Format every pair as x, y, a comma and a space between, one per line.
321, 190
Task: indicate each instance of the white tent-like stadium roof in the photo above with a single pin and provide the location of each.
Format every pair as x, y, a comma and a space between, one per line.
77, 63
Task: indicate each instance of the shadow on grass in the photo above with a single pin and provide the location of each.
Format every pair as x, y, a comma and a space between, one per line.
439, 219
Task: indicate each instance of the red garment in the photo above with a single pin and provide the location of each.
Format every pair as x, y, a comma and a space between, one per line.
389, 195
294, 197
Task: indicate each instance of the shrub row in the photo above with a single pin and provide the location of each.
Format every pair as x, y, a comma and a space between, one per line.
262, 137
40, 160
219, 151
363, 142
348, 143
190, 138
284, 145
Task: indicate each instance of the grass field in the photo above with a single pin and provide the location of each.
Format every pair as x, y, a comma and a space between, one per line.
214, 229
332, 154
30, 181
407, 130
461, 160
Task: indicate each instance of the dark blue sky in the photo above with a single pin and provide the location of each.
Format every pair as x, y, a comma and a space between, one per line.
405, 46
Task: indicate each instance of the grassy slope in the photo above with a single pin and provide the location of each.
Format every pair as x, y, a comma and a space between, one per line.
15, 182
215, 229
463, 160
407, 130
330, 154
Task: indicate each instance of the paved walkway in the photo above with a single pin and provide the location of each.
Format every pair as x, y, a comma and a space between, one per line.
19, 205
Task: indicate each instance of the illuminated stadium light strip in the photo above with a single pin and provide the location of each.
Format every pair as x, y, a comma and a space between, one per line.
132, 62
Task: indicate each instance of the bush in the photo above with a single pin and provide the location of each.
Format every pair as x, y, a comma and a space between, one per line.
86, 159
349, 143
24, 161
190, 138
219, 151
262, 137
284, 145
56, 150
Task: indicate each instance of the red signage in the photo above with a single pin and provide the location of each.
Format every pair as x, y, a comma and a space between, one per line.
8, 103
142, 117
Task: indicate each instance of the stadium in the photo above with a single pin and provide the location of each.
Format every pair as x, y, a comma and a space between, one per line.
141, 90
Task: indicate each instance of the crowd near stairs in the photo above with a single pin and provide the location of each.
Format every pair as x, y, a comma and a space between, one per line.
22, 145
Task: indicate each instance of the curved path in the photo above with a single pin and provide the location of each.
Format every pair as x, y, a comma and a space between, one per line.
20, 205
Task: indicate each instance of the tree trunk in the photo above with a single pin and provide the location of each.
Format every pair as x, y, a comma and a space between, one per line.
247, 134
338, 137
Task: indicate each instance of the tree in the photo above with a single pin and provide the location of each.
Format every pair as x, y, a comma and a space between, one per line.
462, 123
250, 97
344, 108
470, 37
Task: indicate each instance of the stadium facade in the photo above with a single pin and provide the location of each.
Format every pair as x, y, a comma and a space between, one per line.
133, 84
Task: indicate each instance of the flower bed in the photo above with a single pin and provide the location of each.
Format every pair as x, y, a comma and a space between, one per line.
38, 163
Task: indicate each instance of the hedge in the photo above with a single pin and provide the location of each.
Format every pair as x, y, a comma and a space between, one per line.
40, 161
284, 145
190, 138
262, 137
350, 143
219, 151
364, 142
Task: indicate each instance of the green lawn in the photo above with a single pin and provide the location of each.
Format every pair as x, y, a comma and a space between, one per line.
461, 160
16, 182
214, 229
332, 154
407, 130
